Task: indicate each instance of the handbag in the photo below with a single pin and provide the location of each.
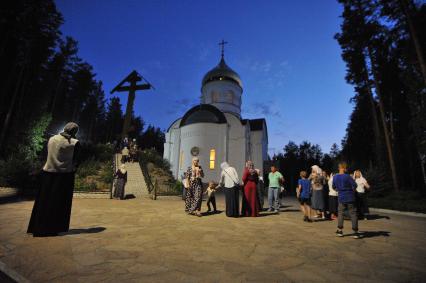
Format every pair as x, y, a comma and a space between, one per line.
236, 185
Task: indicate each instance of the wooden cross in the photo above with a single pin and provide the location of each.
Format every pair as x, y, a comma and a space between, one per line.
222, 43
132, 79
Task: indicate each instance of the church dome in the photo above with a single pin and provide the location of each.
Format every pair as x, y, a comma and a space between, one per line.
203, 113
222, 72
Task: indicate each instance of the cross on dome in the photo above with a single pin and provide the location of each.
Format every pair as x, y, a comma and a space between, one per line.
222, 44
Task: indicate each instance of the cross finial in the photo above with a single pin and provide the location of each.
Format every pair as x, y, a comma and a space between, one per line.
222, 44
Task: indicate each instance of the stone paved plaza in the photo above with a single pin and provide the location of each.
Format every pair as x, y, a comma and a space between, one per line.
141, 240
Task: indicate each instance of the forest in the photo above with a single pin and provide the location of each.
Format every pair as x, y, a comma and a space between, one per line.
383, 45
44, 84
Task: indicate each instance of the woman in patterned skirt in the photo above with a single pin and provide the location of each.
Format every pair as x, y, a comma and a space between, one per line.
194, 193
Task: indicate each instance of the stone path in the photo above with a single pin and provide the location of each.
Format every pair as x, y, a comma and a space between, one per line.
136, 185
155, 241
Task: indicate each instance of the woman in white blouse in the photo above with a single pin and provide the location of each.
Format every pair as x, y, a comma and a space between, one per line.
230, 182
362, 202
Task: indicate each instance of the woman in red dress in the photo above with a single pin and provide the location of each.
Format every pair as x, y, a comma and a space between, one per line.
250, 180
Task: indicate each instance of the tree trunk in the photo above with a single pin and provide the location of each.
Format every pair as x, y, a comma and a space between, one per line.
383, 118
376, 127
414, 37
11, 107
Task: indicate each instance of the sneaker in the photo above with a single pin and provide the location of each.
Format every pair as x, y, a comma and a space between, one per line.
356, 235
277, 211
270, 209
339, 233
308, 220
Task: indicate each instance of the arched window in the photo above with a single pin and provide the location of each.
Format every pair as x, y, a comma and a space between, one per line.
212, 158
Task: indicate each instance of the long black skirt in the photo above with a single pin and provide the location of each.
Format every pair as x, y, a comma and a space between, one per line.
232, 199
52, 207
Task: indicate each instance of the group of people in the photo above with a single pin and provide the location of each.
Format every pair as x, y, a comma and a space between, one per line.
345, 193
129, 150
320, 195
251, 185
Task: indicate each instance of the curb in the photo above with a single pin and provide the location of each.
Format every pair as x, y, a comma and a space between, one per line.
9, 275
397, 212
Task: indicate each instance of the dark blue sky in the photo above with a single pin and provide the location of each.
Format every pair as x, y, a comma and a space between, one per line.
284, 51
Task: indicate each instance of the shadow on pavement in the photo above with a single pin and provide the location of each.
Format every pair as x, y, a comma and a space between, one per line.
207, 213
83, 231
376, 217
372, 234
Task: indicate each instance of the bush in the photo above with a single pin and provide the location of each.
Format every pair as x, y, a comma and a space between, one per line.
98, 152
82, 185
18, 172
152, 156
88, 168
106, 173
403, 201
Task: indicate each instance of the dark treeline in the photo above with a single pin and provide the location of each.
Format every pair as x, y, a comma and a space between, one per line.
383, 44
44, 84
302, 157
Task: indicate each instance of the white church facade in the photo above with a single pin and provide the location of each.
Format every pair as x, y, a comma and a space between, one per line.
214, 130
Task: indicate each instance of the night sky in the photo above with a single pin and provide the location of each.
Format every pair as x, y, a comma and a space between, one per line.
284, 51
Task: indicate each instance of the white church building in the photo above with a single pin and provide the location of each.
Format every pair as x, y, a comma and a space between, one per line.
214, 130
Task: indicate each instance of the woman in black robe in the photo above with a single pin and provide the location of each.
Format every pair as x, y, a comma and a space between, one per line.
230, 182
120, 182
52, 207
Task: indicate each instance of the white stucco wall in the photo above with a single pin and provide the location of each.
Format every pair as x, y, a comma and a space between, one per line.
225, 95
205, 136
236, 143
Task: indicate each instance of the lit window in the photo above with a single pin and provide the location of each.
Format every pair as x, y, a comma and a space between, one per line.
181, 160
212, 158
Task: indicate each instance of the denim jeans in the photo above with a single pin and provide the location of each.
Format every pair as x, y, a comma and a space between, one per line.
352, 213
273, 199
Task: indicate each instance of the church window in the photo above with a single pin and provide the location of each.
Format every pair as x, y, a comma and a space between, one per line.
181, 160
212, 158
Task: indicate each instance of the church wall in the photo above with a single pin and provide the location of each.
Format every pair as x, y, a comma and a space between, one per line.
205, 136
236, 143
171, 147
257, 149
225, 95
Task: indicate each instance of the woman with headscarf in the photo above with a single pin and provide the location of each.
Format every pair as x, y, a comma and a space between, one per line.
317, 183
52, 207
250, 180
230, 182
120, 182
194, 192
361, 197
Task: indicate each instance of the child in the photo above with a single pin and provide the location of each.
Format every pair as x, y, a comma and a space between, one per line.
345, 186
332, 199
211, 198
304, 196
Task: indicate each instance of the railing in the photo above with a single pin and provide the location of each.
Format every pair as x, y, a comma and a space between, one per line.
166, 189
146, 175
115, 163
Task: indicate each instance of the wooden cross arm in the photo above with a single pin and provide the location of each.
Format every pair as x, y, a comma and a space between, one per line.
128, 88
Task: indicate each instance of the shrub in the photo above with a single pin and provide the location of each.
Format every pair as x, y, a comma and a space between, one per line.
152, 156
88, 168
106, 173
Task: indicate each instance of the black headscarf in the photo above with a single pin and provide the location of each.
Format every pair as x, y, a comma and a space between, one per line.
70, 130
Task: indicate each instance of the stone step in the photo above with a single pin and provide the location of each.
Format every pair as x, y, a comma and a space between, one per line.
136, 184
